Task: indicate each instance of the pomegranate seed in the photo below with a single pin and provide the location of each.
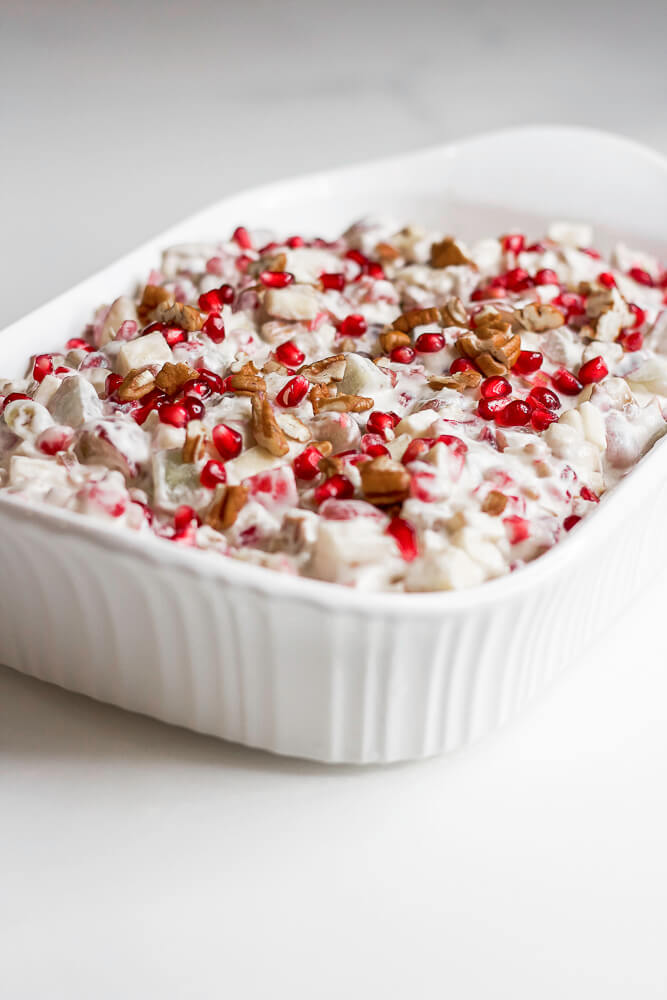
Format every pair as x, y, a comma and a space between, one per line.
454, 443
571, 303
184, 516
570, 522
77, 344
430, 343
513, 242
55, 439
462, 365
289, 354
490, 408
518, 280
527, 362
380, 423
359, 258
242, 262
639, 314
195, 407
402, 355
541, 418
197, 387
174, 335
353, 325
593, 371
214, 328
294, 242
566, 382
112, 383
214, 381
375, 270
210, 301
242, 238
515, 414
293, 392
541, 396
175, 414
545, 276
306, 464
495, 387
587, 494
417, 447
631, 341
405, 537
227, 441
212, 474
61, 370
276, 279
42, 367
536, 248
226, 293
641, 276
500, 281
607, 279
12, 398
332, 281
338, 487
590, 252
373, 445
518, 527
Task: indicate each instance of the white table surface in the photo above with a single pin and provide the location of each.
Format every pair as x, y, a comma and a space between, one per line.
142, 861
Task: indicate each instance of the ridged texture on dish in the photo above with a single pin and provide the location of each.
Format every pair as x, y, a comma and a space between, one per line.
297, 676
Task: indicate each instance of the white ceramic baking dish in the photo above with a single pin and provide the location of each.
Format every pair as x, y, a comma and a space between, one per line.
307, 668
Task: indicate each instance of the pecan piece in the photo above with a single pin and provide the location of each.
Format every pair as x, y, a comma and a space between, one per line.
384, 481
416, 317
177, 314
343, 403
265, 427
447, 253
173, 377
393, 338
386, 252
196, 440
495, 503
226, 506
459, 380
327, 370
247, 381
541, 316
293, 427
153, 296
137, 383
331, 466
453, 313
494, 349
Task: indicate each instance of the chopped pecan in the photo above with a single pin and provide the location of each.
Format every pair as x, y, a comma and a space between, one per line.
343, 403
393, 338
384, 481
153, 296
331, 466
265, 427
196, 439
453, 313
247, 380
447, 253
327, 370
459, 380
173, 377
541, 316
137, 383
495, 503
416, 317
293, 427
178, 314
386, 252
494, 349
226, 506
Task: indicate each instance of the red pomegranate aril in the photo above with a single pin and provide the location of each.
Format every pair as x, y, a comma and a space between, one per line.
241, 237
276, 279
358, 257
195, 407
43, 366
375, 270
77, 344
430, 343
212, 379
402, 355
210, 301
332, 281
495, 387
593, 371
590, 252
515, 414
638, 313
536, 248
455, 444
174, 335
380, 423
54, 440
541, 396
462, 365
214, 328
607, 279
405, 537
490, 408
572, 303
528, 362
570, 522
184, 516
513, 242
373, 445
417, 447
112, 383
541, 418
566, 382
212, 474
12, 398
226, 294
587, 494
517, 280
518, 528
353, 325
631, 342
641, 276
306, 465
338, 487
294, 242
227, 441
545, 276
197, 387
294, 392
289, 354
176, 414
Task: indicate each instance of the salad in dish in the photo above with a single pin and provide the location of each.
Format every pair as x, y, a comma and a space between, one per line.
389, 410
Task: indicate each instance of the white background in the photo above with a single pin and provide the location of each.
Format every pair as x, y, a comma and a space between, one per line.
141, 861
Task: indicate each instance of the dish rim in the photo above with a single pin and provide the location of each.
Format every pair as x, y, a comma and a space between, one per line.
229, 570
